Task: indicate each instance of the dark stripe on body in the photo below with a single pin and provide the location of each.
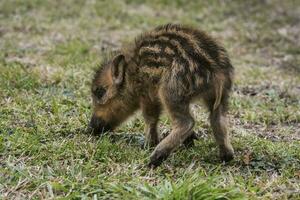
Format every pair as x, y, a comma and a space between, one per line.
151, 41
156, 55
190, 51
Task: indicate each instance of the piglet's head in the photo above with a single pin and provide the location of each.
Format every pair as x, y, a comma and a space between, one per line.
109, 99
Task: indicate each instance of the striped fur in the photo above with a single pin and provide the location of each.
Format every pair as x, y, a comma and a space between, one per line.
166, 68
197, 54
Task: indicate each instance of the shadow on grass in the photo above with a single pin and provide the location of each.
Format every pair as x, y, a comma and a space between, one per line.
205, 152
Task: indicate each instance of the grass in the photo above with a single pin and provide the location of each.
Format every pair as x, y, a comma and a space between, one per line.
48, 51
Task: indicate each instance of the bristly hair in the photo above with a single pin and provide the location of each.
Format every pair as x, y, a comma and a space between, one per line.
171, 26
167, 27
107, 58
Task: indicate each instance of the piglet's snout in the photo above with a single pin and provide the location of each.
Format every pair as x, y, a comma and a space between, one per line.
98, 126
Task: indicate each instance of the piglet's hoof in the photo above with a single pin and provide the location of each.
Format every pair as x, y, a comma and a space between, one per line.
157, 158
227, 155
190, 141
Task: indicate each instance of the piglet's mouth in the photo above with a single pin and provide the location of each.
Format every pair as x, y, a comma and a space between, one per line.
98, 126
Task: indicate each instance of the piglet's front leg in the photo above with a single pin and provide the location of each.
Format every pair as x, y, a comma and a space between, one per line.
151, 112
182, 125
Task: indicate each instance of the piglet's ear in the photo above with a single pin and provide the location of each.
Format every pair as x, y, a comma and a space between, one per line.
118, 69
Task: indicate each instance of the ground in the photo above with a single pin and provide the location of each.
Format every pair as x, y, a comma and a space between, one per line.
48, 52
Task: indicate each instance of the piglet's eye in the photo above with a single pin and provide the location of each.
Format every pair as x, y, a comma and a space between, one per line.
99, 92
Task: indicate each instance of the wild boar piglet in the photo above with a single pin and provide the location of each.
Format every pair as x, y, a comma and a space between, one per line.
166, 68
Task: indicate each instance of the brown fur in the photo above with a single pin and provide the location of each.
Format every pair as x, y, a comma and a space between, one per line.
166, 68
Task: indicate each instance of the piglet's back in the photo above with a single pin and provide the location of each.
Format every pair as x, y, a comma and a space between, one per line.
189, 49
